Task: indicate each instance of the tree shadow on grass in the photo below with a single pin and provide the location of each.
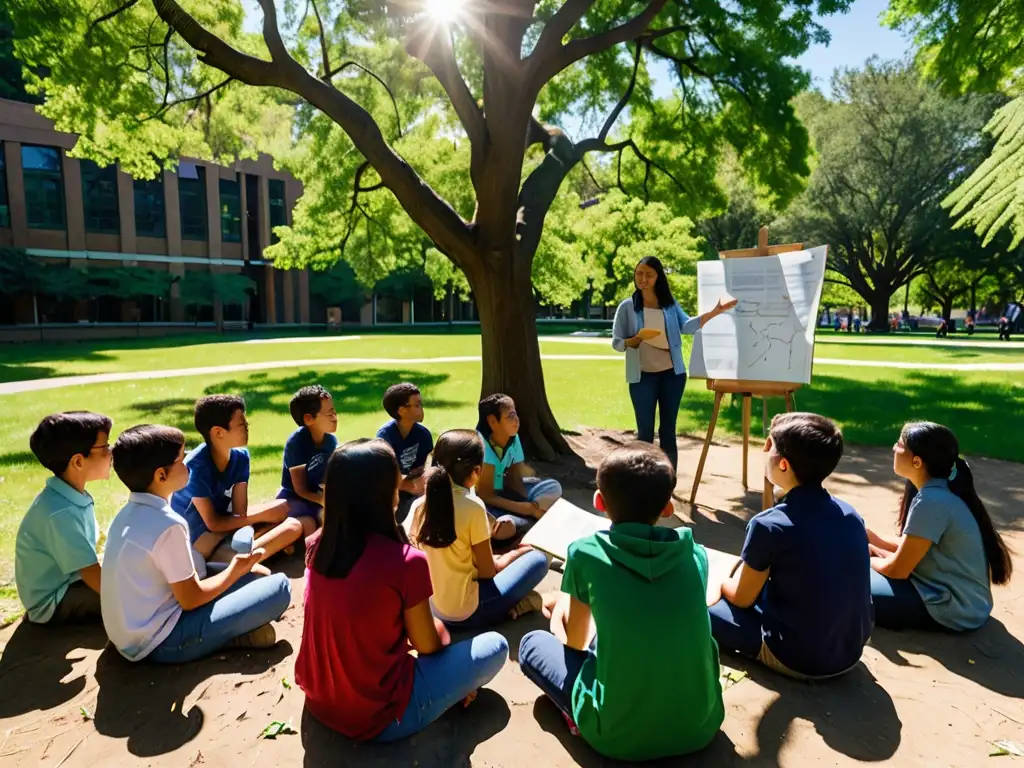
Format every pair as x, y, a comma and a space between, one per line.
873, 412
446, 743
36, 662
145, 703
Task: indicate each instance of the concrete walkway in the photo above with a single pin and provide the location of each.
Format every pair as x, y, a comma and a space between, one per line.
59, 382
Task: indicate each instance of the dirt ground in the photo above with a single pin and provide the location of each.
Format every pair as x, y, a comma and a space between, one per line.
916, 699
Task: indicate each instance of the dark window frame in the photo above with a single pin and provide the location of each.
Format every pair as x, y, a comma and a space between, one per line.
195, 224
52, 214
5, 202
150, 207
100, 199
230, 210
277, 206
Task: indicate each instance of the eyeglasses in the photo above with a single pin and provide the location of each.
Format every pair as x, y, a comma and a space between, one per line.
512, 415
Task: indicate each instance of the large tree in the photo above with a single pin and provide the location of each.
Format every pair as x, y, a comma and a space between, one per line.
143, 80
889, 149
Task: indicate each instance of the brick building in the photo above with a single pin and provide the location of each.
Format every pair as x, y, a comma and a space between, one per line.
203, 217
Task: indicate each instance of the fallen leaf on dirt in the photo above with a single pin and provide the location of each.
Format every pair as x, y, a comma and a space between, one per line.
970, 661
275, 729
285, 683
86, 714
174, 705
732, 676
1007, 747
241, 717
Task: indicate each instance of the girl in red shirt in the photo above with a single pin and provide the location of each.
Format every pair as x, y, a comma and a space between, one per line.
367, 605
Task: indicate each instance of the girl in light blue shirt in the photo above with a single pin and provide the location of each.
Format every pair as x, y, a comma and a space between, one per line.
938, 572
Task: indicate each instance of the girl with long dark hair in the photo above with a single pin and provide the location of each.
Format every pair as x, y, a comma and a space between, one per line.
938, 572
367, 604
649, 327
472, 587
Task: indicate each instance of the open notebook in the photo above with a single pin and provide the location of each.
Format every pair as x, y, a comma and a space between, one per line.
561, 525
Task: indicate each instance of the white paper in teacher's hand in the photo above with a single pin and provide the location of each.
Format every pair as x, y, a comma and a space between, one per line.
561, 525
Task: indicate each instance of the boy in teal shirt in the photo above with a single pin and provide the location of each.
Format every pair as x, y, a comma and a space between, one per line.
639, 584
56, 567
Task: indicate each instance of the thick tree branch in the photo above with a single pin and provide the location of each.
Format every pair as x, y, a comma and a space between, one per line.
544, 67
558, 27
437, 52
606, 129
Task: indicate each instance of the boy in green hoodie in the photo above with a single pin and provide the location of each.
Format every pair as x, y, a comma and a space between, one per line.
637, 583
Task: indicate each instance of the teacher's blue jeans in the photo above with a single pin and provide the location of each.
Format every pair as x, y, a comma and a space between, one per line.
445, 678
500, 595
664, 391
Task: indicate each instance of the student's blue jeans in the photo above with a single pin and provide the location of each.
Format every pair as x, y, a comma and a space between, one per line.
250, 603
737, 629
552, 666
536, 488
445, 678
663, 390
499, 595
898, 604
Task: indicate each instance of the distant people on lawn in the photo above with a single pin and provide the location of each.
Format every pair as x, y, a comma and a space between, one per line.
409, 439
306, 453
215, 499
937, 572
56, 567
649, 328
1004, 329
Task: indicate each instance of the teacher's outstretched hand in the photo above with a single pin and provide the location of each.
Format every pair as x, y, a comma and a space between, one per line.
649, 327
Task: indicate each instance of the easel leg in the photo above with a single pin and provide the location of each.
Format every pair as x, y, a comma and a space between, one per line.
746, 435
707, 445
790, 402
767, 498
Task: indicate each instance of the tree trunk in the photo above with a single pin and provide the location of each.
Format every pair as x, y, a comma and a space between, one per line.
947, 310
879, 313
511, 351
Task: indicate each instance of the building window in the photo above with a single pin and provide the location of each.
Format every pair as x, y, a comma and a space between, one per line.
5, 210
230, 211
278, 215
44, 187
192, 201
150, 220
99, 195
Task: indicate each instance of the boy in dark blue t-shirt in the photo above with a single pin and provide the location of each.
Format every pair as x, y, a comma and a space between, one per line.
306, 453
409, 439
215, 503
800, 598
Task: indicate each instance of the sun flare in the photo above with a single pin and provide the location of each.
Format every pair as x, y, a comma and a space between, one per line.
445, 11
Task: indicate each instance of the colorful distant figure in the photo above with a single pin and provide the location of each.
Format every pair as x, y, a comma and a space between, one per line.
1004, 329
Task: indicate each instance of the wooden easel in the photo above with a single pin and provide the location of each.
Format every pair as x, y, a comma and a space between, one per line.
748, 389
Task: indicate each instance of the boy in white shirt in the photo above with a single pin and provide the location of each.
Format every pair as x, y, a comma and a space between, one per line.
154, 603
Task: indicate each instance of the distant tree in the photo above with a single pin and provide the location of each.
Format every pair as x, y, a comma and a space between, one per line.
889, 149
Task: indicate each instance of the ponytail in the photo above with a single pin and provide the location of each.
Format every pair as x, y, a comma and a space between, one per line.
458, 453
962, 484
437, 524
938, 448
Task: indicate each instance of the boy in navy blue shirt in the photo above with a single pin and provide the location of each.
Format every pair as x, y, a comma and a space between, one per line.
800, 599
215, 503
409, 439
306, 454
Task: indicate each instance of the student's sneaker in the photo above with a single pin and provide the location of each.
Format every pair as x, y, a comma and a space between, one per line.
532, 603
260, 638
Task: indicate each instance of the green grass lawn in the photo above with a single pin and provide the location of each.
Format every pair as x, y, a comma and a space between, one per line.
871, 404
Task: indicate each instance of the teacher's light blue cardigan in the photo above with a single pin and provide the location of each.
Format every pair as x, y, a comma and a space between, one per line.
628, 323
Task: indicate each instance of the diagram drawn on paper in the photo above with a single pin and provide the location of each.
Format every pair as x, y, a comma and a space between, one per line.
769, 335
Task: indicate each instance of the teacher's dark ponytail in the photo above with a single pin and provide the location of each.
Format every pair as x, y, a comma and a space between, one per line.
661, 287
938, 448
458, 453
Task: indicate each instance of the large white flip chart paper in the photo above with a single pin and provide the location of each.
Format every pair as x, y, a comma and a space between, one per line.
769, 336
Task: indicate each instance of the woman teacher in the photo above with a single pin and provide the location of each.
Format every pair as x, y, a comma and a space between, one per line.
648, 327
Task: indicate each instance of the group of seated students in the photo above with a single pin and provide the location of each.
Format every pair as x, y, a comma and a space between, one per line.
181, 574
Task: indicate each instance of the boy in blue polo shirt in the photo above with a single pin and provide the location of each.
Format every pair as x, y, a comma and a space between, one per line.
56, 568
306, 453
800, 599
513, 493
409, 439
215, 503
